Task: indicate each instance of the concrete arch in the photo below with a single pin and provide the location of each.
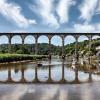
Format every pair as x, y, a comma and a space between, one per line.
16, 39
4, 39
82, 38
29, 39
69, 39
56, 40
43, 39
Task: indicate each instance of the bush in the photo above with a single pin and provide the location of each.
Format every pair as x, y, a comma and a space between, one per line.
20, 51
18, 57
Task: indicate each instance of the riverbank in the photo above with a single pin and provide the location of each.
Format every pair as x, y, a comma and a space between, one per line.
6, 58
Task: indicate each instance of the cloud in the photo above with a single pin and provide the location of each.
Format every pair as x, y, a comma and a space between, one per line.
87, 9
87, 28
98, 8
53, 14
63, 10
45, 9
13, 12
84, 28
97, 27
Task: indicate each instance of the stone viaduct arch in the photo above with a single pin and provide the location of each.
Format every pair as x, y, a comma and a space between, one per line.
49, 36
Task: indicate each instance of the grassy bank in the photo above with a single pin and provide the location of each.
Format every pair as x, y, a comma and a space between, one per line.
19, 57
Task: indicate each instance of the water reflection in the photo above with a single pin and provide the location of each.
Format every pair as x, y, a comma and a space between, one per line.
50, 92
50, 71
16, 74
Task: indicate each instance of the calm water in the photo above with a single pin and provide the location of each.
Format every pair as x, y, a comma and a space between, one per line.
85, 91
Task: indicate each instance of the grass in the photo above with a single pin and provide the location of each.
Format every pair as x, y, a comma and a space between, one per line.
19, 57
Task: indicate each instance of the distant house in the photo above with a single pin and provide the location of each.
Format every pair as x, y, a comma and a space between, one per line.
98, 49
98, 54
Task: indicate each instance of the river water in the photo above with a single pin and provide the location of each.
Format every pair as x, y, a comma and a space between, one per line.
78, 91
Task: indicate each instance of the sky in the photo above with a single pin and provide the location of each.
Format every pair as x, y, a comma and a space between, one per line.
49, 16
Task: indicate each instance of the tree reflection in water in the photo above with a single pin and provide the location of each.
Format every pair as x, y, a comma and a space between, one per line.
51, 71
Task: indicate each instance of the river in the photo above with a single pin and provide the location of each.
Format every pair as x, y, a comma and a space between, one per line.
83, 89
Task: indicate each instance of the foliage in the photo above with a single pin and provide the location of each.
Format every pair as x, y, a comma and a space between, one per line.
43, 48
18, 57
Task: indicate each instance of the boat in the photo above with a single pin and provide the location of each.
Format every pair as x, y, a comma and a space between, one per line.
39, 65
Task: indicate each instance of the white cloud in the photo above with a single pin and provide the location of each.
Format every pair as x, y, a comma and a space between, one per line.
69, 39
83, 28
63, 10
87, 27
98, 8
45, 9
13, 12
88, 9
97, 27
53, 14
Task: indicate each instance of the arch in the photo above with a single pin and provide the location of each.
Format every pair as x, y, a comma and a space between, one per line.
56, 40
95, 77
16, 39
4, 39
69, 75
29, 74
82, 38
29, 39
95, 37
69, 39
56, 72
43, 39
16, 73
43, 74
83, 77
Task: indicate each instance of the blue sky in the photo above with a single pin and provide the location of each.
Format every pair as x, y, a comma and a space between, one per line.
49, 16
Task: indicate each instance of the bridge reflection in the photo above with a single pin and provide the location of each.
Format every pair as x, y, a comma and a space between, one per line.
36, 80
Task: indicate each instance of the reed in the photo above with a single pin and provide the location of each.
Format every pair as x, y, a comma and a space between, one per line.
19, 57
